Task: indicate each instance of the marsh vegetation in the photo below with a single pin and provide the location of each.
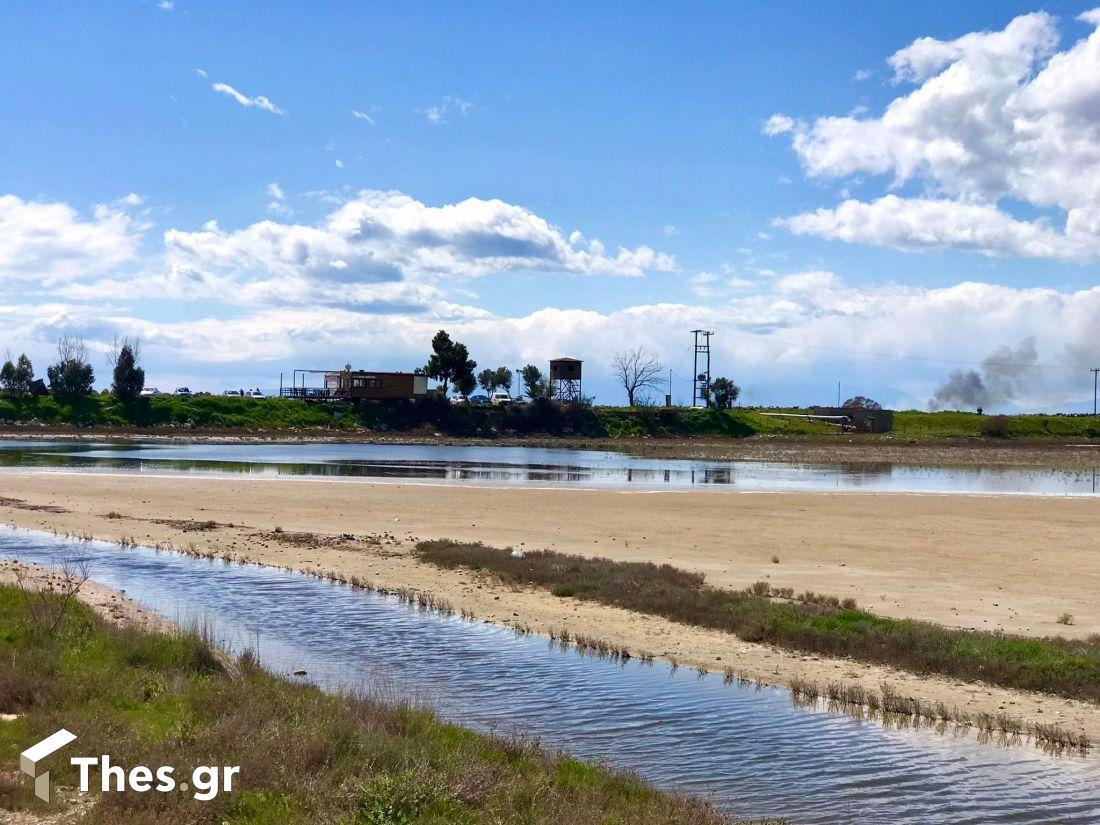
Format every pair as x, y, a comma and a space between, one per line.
305, 756
807, 622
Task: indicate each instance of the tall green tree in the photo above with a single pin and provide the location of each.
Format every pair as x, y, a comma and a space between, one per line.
466, 383
129, 378
450, 364
723, 393
16, 379
534, 384
492, 380
72, 376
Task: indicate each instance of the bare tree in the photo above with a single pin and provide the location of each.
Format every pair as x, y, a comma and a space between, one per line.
48, 598
71, 348
636, 370
118, 344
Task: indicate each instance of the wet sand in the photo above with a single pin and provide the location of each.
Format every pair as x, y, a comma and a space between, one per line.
1011, 562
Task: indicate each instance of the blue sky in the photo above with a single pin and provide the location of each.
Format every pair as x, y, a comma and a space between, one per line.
694, 142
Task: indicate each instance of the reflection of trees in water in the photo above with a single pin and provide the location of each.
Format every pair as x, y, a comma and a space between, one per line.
604, 469
860, 475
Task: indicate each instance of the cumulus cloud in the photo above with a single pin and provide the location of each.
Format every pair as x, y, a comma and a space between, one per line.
260, 102
788, 325
387, 236
992, 116
932, 223
49, 243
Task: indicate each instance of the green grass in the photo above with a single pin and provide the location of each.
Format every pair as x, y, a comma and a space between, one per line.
275, 414
305, 756
919, 425
203, 411
814, 625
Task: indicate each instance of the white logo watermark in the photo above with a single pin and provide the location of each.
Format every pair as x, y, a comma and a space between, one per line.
206, 781
29, 759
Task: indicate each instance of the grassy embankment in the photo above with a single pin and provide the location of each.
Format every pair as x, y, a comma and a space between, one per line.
807, 623
274, 414
305, 756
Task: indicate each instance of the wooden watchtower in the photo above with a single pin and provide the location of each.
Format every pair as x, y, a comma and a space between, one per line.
565, 380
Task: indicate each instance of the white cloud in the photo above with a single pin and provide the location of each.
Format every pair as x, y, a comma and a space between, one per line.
931, 223
339, 163
778, 125
450, 104
994, 116
260, 102
364, 116
49, 243
862, 74
201, 72
670, 231
786, 330
166, 5
383, 237
277, 206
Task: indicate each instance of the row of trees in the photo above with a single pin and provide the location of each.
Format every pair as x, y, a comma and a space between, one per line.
636, 370
71, 376
451, 365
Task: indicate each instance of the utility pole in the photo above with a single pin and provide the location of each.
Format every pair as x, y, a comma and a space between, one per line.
1095, 372
700, 382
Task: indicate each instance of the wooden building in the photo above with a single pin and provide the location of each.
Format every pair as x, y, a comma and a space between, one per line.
357, 385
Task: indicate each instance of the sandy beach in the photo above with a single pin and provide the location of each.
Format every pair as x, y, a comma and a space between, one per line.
989, 562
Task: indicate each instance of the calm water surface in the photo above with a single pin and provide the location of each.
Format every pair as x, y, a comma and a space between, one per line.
526, 466
750, 750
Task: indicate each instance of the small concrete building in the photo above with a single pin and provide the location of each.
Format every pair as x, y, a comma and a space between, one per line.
861, 419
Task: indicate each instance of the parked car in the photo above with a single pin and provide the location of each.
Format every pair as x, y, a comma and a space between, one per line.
256, 393
500, 398
182, 392
480, 398
234, 393
148, 392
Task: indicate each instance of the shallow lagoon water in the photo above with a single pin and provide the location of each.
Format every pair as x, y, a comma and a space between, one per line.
750, 750
526, 466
